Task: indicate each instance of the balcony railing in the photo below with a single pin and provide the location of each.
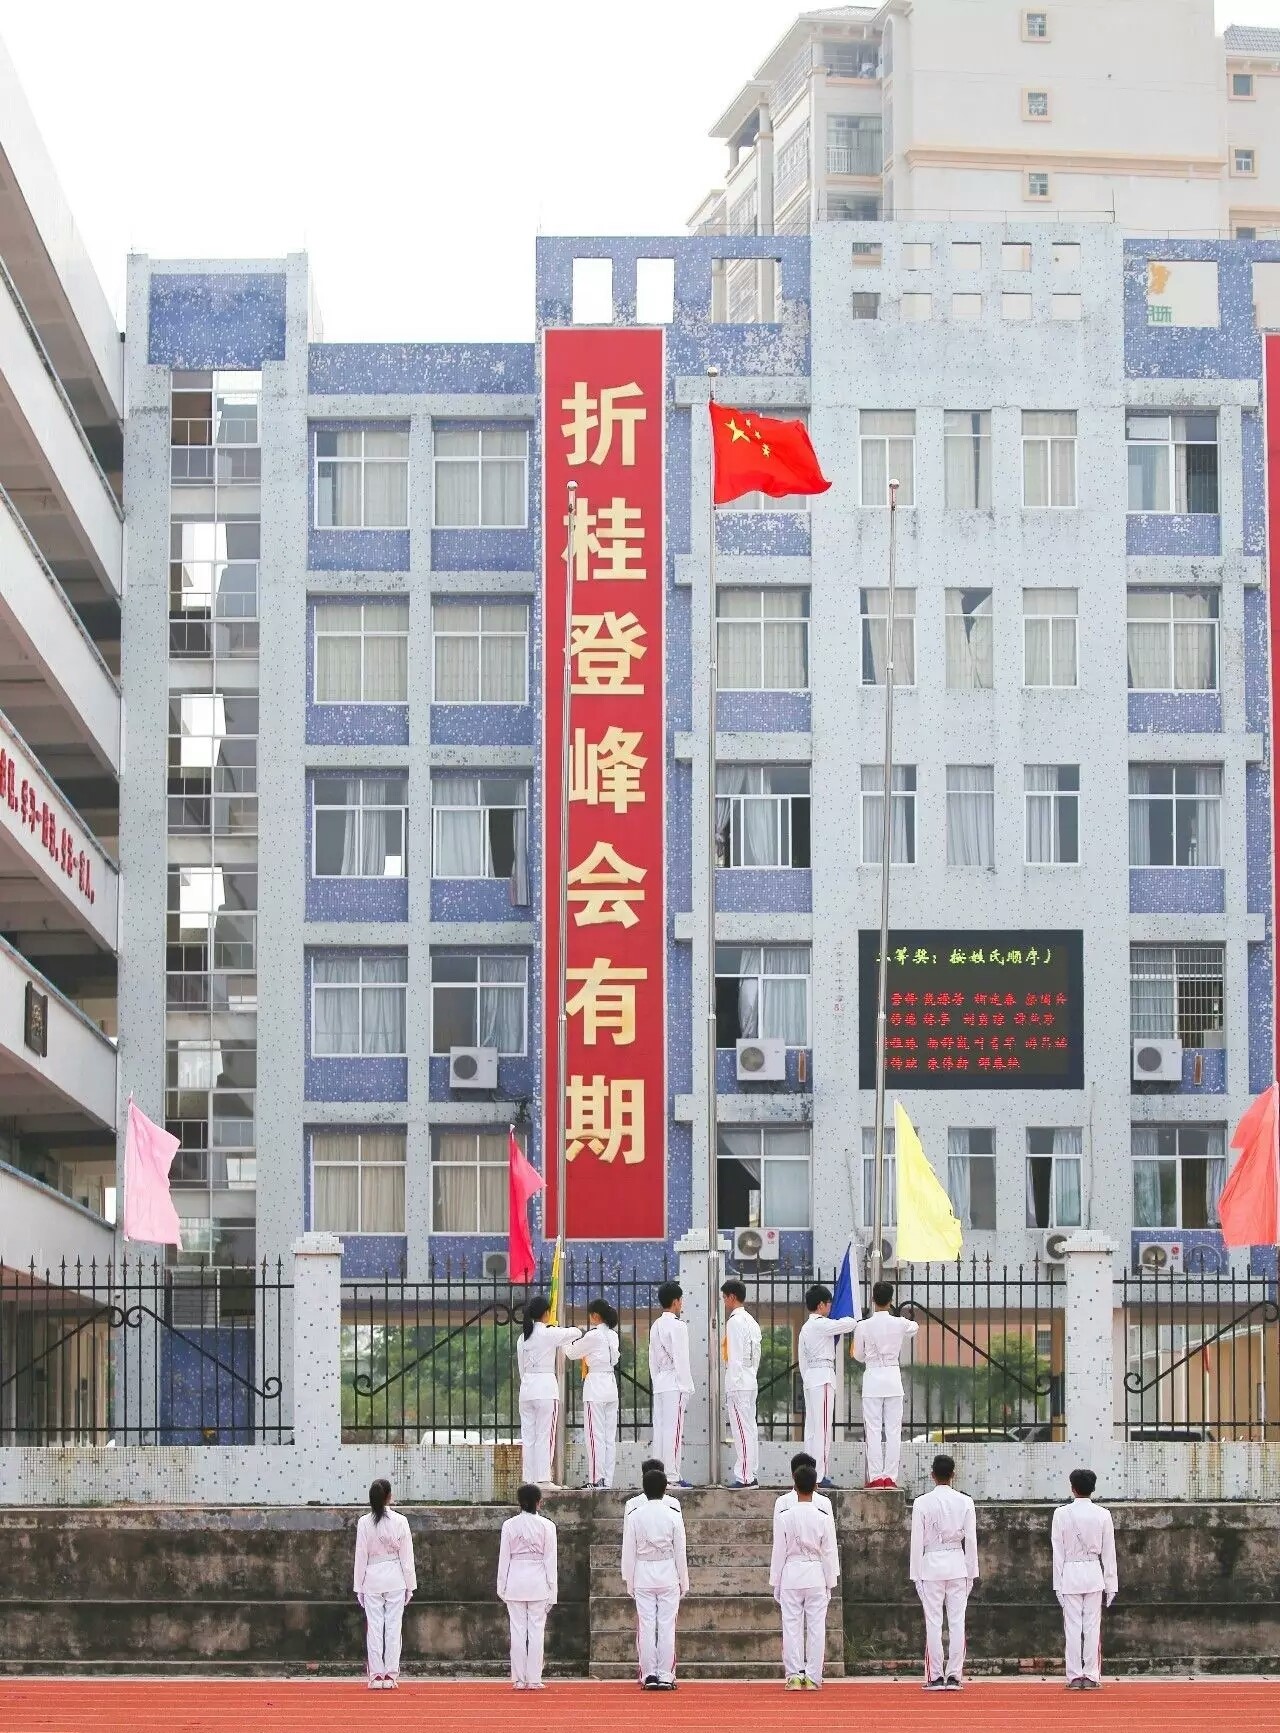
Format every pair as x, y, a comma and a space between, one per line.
864, 158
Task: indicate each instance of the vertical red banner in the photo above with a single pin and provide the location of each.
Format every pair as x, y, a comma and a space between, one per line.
603, 427
1271, 412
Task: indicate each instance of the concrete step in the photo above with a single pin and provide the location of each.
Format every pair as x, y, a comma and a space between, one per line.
710, 1581
720, 1649
690, 1670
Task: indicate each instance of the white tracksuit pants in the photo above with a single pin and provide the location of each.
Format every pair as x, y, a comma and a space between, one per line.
600, 1436
804, 1631
656, 1611
741, 1406
384, 1624
528, 1629
538, 1417
668, 1429
819, 1409
953, 1593
1082, 1622
882, 1415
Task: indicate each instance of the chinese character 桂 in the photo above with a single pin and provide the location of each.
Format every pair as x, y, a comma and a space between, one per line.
604, 647
607, 1001
602, 417
605, 1116
614, 534
605, 887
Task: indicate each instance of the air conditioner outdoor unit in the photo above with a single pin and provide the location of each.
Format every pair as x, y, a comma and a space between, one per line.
1053, 1246
1159, 1258
1157, 1061
497, 1266
473, 1068
888, 1250
756, 1245
762, 1061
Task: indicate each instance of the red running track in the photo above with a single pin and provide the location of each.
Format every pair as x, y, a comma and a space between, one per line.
278, 1706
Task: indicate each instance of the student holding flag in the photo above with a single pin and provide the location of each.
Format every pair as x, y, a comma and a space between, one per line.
878, 1342
539, 1390
741, 1350
598, 1352
816, 1352
671, 1378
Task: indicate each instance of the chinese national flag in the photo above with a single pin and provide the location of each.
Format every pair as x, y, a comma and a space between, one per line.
753, 452
1249, 1208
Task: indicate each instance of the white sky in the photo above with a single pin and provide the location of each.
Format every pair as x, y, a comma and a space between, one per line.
414, 149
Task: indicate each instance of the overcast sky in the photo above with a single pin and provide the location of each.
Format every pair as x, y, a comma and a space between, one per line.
414, 149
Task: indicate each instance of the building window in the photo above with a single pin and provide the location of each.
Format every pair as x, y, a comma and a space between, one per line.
211, 939
358, 1006
1015, 256
971, 1176
1053, 814
888, 449
1016, 306
865, 304
481, 477
1066, 307
1048, 458
1035, 105
763, 1176
971, 815
970, 649
1247, 232
480, 652
213, 587
362, 653
478, 1001
213, 763
966, 255
966, 306
360, 827
762, 815
1242, 85
916, 310
1035, 26
966, 435
1178, 1175
889, 1188
1038, 184
362, 479
917, 255
902, 837
213, 427
1173, 640
479, 829
1175, 815
855, 144
1173, 462
1049, 637
874, 610
469, 1182
1176, 993
357, 1182
762, 640
1053, 1176
1244, 162
1064, 256
762, 993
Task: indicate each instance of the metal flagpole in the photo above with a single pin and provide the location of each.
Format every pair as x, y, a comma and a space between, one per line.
713, 1199
882, 987
562, 964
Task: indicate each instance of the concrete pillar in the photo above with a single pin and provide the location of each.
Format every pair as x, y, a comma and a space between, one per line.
1090, 1305
765, 213
704, 1340
317, 1344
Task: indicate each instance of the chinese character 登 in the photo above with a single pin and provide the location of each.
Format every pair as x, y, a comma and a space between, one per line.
604, 647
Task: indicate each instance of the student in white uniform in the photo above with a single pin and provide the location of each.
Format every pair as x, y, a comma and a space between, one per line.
1084, 1571
818, 1346
656, 1572
539, 1390
384, 1582
598, 1350
787, 1500
944, 1567
528, 1581
670, 1377
638, 1498
742, 1363
802, 1573
878, 1342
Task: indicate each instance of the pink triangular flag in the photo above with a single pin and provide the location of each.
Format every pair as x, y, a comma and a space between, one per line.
149, 1215
1249, 1208
523, 1182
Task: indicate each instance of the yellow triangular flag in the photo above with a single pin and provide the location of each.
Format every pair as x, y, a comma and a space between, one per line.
553, 1315
928, 1232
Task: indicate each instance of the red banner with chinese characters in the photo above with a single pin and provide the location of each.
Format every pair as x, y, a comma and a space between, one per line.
1271, 411
603, 428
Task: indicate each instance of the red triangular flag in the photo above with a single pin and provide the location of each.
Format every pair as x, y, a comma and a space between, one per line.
1249, 1208
753, 452
523, 1181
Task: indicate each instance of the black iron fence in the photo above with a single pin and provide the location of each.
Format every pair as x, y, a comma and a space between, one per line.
143, 1353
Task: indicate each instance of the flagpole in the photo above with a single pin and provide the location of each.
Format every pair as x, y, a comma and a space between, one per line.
713, 1189
562, 963
882, 987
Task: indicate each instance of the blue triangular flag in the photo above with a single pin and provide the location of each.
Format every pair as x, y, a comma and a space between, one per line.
843, 1304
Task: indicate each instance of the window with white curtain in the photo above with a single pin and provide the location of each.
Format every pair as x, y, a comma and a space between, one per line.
469, 1181
902, 837
966, 449
481, 477
887, 448
1049, 631
889, 1189
1053, 1176
970, 641
757, 501
1173, 461
1178, 1175
874, 609
362, 653
362, 479
971, 815
478, 1001
480, 830
1173, 639
762, 815
480, 652
358, 1005
762, 994
357, 1182
1053, 814
762, 640
1048, 458
1175, 815
971, 1176
763, 1176
1177, 992
360, 826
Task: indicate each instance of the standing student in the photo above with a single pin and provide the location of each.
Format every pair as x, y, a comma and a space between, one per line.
670, 1377
787, 1500
656, 1572
598, 1351
1084, 1570
802, 1573
528, 1581
819, 1335
742, 1363
384, 1582
878, 1342
944, 1567
539, 1390
637, 1499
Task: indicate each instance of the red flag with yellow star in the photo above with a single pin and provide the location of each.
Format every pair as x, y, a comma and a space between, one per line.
753, 452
